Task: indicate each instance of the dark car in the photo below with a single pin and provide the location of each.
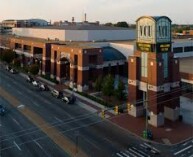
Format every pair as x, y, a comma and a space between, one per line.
57, 94
29, 79
43, 87
2, 110
69, 99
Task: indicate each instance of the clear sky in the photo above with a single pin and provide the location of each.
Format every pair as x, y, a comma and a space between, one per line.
180, 11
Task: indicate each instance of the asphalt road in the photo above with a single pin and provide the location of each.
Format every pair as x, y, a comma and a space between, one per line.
95, 136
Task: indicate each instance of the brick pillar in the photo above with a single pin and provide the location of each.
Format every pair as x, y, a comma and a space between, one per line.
134, 93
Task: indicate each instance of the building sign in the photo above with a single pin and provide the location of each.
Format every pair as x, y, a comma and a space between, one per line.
145, 47
163, 48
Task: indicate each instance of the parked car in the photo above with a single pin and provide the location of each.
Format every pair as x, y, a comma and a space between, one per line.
69, 99
2, 110
57, 94
13, 71
8, 68
29, 79
43, 87
35, 83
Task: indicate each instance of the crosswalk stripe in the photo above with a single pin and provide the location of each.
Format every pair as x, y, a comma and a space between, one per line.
119, 155
152, 147
136, 152
125, 154
147, 155
133, 155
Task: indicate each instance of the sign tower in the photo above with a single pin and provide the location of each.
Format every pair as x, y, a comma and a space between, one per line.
154, 76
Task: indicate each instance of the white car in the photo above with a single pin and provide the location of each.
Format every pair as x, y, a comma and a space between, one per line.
35, 83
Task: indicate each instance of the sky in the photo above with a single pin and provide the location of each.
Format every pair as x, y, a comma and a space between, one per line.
180, 11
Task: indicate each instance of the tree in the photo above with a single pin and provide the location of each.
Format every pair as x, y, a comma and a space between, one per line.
108, 85
122, 24
16, 62
98, 83
34, 69
7, 55
108, 24
119, 92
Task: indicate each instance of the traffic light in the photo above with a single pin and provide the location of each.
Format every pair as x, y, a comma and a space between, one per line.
128, 107
103, 113
116, 109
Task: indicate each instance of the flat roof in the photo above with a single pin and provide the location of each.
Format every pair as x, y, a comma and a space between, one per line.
80, 27
186, 65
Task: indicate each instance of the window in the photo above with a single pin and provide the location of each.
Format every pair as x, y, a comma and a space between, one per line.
165, 64
144, 57
188, 48
178, 49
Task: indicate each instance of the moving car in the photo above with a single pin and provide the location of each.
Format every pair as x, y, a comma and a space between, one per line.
2, 110
43, 87
69, 99
57, 94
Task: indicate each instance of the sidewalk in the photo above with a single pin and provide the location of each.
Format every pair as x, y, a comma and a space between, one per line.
170, 133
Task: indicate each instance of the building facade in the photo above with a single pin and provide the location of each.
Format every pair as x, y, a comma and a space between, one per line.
154, 78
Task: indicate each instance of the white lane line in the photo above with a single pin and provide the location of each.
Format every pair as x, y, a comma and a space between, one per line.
38, 144
119, 155
58, 119
20, 106
17, 145
16, 122
36, 104
176, 153
133, 151
20, 92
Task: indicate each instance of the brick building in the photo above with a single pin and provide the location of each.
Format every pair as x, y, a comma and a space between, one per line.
153, 72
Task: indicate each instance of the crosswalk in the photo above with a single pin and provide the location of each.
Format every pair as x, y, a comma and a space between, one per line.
184, 150
143, 150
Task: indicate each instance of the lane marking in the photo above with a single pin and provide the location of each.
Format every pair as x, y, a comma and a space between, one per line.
38, 144
152, 147
16, 145
20, 106
176, 153
20, 92
58, 119
36, 104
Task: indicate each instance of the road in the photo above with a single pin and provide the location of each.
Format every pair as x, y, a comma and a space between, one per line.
86, 131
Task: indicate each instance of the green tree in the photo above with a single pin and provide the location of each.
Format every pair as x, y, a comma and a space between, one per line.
16, 62
122, 24
119, 92
98, 83
108, 85
7, 55
108, 24
34, 69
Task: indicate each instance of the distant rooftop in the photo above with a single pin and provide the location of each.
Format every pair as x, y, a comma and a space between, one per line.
82, 27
